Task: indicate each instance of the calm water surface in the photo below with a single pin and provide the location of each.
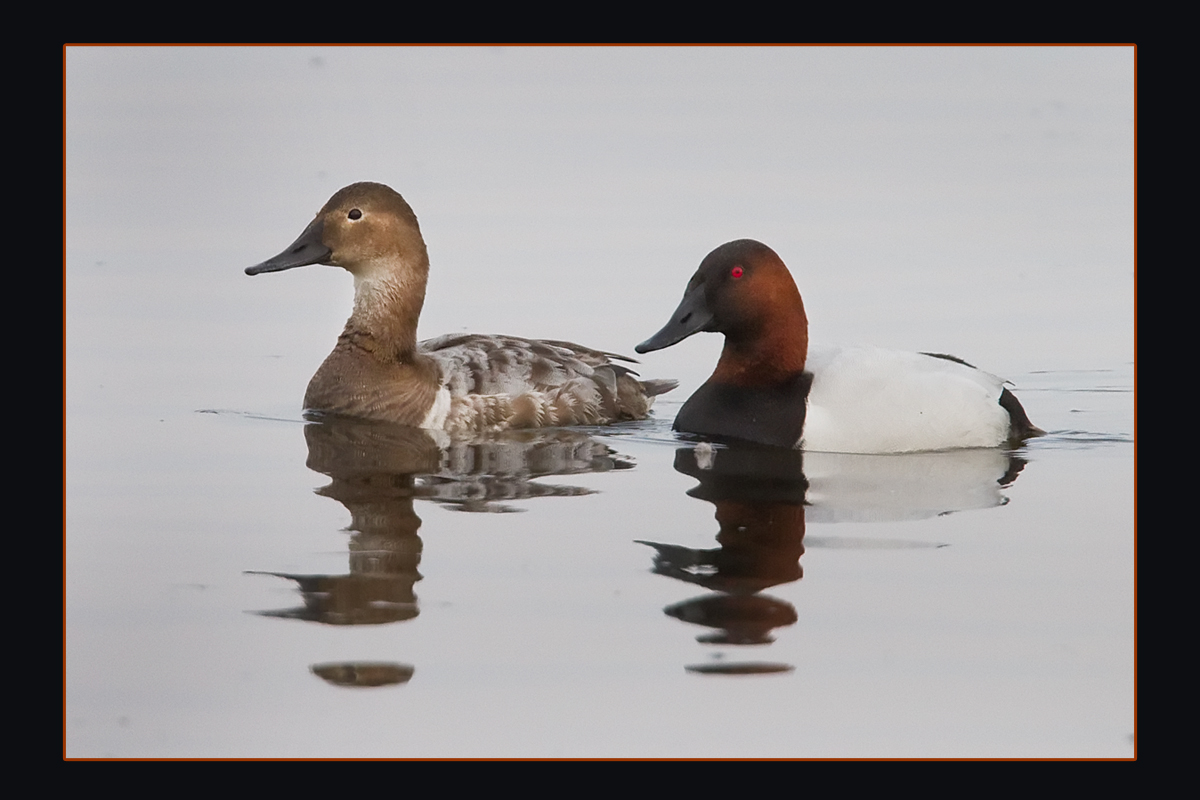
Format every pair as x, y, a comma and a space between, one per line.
241, 581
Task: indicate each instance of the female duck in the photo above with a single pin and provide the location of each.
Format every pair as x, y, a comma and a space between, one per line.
768, 388
459, 383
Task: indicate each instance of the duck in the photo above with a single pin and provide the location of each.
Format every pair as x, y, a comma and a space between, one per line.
769, 388
457, 383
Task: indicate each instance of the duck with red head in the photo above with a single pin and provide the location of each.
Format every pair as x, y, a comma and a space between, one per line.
769, 388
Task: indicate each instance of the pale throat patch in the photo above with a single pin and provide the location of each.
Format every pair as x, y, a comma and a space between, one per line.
436, 418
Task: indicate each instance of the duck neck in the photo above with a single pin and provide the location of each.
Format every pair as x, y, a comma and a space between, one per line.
387, 305
769, 355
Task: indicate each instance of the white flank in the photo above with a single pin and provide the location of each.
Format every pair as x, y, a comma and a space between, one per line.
867, 400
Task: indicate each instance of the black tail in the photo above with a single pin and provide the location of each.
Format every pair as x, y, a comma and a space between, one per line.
1020, 428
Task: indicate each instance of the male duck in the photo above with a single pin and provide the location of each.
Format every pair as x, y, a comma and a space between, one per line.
460, 383
768, 388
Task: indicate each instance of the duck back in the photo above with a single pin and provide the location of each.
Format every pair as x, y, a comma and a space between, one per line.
496, 381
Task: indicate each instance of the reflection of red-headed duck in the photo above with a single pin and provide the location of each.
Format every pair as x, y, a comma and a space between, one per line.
459, 383
769, 388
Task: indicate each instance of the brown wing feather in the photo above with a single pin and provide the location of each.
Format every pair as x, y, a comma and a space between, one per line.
499, 382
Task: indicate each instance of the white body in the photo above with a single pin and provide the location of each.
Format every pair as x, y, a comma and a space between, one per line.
870, 400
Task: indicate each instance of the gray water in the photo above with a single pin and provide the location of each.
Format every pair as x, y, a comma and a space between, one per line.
240, 582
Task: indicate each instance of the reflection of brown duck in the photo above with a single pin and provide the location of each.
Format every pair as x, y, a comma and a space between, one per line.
478, 474
378, 469
354, 599
361, 674
373, 468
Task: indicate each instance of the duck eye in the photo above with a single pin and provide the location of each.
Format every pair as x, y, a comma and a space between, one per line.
354, 214
736, 272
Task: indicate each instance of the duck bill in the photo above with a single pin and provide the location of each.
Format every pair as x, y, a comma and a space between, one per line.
308, 249
692, 316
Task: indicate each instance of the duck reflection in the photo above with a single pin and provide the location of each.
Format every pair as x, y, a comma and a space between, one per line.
360, 674
372, 469
764, 497
759, 494
377, 470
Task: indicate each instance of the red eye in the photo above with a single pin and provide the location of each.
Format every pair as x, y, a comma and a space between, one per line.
736, 272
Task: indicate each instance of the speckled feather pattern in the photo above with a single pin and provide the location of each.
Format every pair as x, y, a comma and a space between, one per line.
498, 382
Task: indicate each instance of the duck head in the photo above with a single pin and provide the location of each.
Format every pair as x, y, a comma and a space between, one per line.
368, 230
365, 228
743, 290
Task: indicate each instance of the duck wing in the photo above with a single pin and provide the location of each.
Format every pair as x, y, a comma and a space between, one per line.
496, 382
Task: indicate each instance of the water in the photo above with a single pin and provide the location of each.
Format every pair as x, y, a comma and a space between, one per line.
241, 582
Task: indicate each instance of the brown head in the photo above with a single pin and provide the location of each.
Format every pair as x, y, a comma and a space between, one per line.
368, 230
743, 290
362, 225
